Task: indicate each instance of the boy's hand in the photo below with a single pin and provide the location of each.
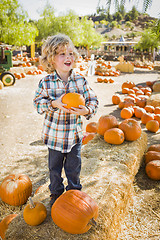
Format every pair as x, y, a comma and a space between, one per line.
82, 110
58, 104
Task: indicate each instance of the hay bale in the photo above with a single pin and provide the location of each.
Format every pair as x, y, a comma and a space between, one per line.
154, 99
107, 176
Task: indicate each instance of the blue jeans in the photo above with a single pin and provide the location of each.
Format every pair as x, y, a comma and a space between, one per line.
72, 166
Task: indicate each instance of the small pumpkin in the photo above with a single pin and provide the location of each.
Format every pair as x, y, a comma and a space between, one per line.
87, 137
151, 155
15, 189
153, 170
147, 117
106, 122
152, 126
157, 118
34, 213
74, 212
131, 128
141, 103
154, 147
4, 224
126, 113
128, 84
73, 100
116, 99
149, 108
138, 112
91, 127
114, 136
157, 110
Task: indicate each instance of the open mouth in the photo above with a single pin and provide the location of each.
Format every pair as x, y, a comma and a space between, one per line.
68, 64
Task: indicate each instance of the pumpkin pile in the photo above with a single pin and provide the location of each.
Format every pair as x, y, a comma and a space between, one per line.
133, 103
104, 80
145, 64
104, 68
152, 162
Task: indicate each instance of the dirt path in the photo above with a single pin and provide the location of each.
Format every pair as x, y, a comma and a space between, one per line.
23, 152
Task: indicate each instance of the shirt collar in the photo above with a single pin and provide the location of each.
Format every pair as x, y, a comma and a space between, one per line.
57, 77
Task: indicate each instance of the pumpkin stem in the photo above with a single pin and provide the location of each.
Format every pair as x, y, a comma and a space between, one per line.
93, 222
31, 202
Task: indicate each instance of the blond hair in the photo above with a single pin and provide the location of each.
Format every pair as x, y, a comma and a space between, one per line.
50, 49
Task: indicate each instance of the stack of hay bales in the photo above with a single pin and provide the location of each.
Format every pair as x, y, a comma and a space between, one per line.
107, 176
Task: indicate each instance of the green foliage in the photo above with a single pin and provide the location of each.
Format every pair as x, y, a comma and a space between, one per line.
116, 3
149, 40
14, 27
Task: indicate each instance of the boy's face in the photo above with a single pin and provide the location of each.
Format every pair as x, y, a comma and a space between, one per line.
64, 59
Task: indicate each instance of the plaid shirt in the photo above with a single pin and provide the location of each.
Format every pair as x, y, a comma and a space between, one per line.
61, 130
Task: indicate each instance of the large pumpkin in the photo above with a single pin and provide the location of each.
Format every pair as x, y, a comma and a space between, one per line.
106, 122
131, 128
4, 224
34, 213
15, 189
74, 211
73, 100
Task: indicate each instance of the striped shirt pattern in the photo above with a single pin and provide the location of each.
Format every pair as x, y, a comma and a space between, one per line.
61, 131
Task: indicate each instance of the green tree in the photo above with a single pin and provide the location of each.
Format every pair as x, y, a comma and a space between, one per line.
47, 23
113, 24
88, 36
118, 16
146, 3
14, 26
148, 41
156, 28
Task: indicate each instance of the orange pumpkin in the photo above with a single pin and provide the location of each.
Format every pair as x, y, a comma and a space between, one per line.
23, 75
126, 113
4, 224
116, 99
152, 126
15, 189
88, 137
141, 102
131, 128
128, 84
147, 117
157, 118
121, 105
151, 155
149, 108
34, 213
73, 100
157, 110
91, 127
138, 112
114, 136
153, 170
106, 122
154, 147
125, 90
74, 211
